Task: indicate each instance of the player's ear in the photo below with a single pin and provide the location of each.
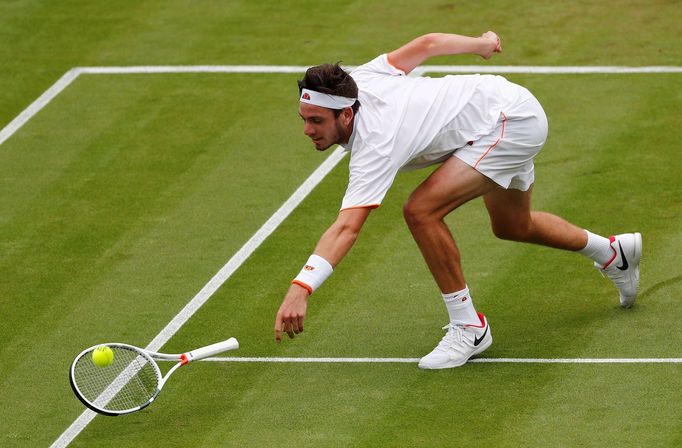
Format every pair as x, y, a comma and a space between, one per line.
346, 116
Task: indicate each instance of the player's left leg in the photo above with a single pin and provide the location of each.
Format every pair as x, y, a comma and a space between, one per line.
511, 218
617, 257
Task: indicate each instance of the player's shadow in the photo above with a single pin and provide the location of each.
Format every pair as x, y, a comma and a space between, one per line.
660, 285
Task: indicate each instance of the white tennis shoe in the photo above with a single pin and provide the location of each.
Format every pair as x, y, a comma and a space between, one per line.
460, 343
623, 268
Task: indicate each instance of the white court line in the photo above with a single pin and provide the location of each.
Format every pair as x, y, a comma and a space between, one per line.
35, 107
475, 360
528, 69
147, 69
72, 74
546, 70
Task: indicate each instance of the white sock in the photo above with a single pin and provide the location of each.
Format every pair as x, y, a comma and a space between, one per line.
461, 308
598, 248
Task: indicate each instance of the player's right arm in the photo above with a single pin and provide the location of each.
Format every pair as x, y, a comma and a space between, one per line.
413, 53
332, 247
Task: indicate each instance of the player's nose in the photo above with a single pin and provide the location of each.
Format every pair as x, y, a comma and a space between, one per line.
308, 130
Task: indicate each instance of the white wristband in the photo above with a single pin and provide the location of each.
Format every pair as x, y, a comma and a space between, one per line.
314, 273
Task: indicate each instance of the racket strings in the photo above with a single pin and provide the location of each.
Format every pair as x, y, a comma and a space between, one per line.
128, 382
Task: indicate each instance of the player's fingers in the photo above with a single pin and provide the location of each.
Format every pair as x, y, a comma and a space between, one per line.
300, 324
286, 327
495, 38
498, 47
278, 328
296, 324
289, 328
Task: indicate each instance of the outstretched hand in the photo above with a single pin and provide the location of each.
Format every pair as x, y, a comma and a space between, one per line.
492, 44
291, 313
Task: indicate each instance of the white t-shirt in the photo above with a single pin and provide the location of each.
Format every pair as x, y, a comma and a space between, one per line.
412, 122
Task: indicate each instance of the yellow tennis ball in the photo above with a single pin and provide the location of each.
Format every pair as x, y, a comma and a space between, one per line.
103, 356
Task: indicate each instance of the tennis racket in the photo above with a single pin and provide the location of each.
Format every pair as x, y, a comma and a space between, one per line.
132, 380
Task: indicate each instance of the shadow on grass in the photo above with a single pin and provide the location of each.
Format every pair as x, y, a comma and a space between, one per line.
659, 286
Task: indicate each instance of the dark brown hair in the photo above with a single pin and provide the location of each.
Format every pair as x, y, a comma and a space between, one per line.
330, 79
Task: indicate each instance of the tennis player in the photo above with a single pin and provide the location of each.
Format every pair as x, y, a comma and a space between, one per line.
483, 130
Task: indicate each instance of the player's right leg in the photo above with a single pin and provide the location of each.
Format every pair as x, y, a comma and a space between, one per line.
450, 186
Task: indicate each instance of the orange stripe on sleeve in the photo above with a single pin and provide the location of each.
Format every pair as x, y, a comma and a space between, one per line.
372, 206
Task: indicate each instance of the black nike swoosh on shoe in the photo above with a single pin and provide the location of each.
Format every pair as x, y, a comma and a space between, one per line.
625, 264
477, 340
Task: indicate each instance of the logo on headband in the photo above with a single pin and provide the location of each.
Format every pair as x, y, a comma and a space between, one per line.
326, 100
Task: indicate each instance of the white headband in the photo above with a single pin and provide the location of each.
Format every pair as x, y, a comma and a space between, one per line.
326, 100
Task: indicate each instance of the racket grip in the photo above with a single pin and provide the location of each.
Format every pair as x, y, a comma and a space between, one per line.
213, 349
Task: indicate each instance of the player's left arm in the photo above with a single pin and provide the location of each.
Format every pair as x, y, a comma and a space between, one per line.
332, 246
413, 53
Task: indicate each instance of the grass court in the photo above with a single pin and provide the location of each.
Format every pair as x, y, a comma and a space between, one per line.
125, 194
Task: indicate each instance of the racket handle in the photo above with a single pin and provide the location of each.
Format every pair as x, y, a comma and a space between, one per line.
210, 350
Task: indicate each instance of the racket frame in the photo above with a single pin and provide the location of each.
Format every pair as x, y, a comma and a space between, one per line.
151, 357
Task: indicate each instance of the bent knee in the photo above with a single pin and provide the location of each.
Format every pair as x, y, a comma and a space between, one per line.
415, 214
410, 212
516, 232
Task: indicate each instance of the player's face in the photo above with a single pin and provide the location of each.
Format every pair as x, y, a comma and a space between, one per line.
321, 126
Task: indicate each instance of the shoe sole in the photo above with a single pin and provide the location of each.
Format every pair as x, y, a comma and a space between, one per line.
480, 349
635, 261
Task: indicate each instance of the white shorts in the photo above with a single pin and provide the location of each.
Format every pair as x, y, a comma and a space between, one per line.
506, 154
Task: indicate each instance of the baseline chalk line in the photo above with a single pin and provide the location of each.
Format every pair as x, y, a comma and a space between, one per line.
246, 69
547, 70
475, 360
73, 73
